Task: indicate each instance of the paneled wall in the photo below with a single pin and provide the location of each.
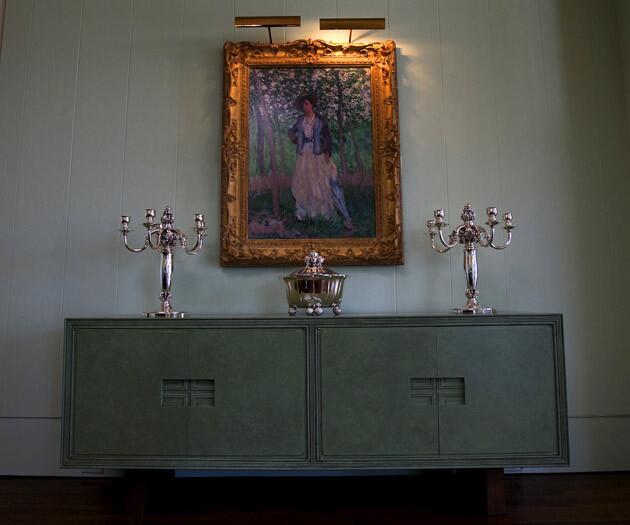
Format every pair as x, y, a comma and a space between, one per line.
623, 8
110, 107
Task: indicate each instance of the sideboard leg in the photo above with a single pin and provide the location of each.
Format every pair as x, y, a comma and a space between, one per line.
134, 495
494, 491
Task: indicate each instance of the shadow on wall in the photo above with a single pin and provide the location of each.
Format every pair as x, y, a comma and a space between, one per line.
584, 140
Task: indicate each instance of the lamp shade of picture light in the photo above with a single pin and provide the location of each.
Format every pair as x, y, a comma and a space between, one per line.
351, 23
267, 21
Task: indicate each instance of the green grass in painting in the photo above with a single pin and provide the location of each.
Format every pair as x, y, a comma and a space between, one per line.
359, 201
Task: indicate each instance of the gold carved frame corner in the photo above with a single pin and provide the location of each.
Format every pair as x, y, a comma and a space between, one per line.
236, 248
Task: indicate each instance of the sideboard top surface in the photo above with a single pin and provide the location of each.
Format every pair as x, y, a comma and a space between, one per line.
499, 318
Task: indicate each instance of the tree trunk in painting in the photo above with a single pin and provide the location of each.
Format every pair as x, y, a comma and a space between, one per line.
342, 149
282, 164
275, 176
260, 141
360, 166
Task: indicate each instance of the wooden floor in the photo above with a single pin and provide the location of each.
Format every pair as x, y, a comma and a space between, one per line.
436, 498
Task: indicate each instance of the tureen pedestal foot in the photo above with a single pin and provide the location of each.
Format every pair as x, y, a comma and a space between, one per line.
336, 309
292, 310
315, 308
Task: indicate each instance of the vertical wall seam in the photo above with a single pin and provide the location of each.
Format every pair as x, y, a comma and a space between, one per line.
179, 100
610, 233
3, 19
544, 59
493, 47
124, 145
444, 145
71, 163
18, 172
622, 38
547, 104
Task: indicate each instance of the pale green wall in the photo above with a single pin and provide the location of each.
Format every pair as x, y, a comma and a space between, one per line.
623, 10
110, 107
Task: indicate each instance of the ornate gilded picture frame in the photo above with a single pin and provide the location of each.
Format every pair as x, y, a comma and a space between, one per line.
310, 154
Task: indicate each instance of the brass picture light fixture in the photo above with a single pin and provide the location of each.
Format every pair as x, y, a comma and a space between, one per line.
268, 22
351, 23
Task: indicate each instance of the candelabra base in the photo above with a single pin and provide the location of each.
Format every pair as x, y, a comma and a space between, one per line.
165, 315
479, 310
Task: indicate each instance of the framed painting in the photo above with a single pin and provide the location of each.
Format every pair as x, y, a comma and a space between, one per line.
311, 154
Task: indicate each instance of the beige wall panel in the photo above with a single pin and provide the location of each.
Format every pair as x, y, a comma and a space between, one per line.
579, 192
619, 141
424, 282
32, 356
521, 110
623, 25
607, 359
14, 65
151, 138
206, 27
2, 10
96, 182
470, 134
561, 173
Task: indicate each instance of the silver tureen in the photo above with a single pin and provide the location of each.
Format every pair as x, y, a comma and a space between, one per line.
314, 287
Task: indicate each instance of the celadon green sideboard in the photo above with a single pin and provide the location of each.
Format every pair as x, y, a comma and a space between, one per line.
364, 392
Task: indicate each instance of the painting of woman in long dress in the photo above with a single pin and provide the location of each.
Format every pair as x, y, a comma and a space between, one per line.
314, 184
310, 154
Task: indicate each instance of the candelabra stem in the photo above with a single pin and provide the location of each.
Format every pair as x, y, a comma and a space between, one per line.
166, 277
470, 270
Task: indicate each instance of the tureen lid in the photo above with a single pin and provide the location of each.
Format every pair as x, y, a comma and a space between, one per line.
314, 267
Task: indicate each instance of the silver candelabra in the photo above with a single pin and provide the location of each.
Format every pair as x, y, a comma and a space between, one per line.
164, 238
470, 235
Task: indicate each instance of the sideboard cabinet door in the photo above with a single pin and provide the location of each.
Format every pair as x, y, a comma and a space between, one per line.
187, 397
376, 394
509, 407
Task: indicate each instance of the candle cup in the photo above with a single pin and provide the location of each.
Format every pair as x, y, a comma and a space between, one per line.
492, 216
